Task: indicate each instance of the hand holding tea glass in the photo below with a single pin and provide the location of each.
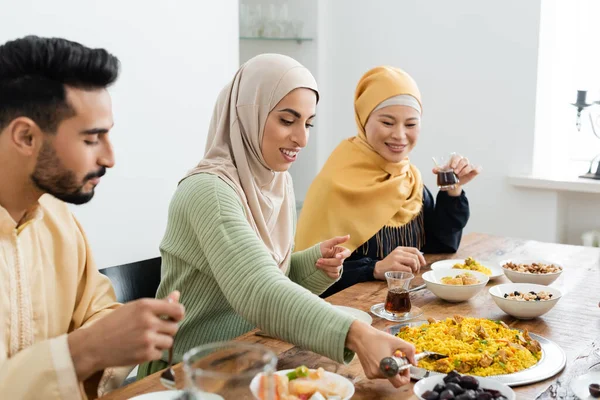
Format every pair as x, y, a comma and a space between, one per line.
453, 172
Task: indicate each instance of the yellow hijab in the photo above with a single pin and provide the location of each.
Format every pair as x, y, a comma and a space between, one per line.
358, 192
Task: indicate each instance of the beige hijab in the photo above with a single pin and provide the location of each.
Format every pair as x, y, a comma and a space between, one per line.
233, 148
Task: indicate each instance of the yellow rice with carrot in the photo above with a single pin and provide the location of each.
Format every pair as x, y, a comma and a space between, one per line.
475, 346
473, 265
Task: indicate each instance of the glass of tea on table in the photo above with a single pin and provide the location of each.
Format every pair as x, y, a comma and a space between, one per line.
446, 178
397, 301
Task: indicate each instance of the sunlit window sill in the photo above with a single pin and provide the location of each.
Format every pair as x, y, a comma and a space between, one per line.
563, 184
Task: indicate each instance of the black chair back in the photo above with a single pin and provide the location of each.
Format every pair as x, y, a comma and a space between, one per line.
135, 280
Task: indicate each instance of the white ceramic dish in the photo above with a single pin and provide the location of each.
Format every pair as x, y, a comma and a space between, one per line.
486, 383
524, 309
453, 293
164, 395
344, 384
494, 267
379, 310
172, 395
525, 277
356, 313
580, 385
552, 362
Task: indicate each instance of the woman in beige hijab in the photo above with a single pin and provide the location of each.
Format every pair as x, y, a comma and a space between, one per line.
229, 242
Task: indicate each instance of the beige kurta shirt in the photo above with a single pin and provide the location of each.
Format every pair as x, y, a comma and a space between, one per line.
49, 286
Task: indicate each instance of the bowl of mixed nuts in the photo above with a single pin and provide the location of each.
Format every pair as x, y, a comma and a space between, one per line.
525, 300
531, 271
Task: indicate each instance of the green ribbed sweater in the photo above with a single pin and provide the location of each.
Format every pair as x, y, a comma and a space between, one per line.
230, 284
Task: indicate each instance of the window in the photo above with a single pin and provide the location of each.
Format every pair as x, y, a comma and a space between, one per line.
569, 60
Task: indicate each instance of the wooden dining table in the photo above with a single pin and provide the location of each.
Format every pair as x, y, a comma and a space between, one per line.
574, 323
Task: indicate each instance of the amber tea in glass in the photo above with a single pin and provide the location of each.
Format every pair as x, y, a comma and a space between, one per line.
397, 301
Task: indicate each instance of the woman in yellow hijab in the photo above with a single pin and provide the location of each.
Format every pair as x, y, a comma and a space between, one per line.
369, 189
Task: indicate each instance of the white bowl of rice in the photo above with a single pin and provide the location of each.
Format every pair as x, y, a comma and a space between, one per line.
454, 293
525, 300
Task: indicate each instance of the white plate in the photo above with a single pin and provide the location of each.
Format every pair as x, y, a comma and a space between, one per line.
552, 362
580, 385
356, 313
173, 395
379, 310
487, 383
494, 267
164, 395
343, 383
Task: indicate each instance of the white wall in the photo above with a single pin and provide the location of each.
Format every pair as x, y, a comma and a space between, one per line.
176, 56
476, 65
305, 168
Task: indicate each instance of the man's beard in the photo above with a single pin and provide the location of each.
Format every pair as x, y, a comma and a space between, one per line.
53, 178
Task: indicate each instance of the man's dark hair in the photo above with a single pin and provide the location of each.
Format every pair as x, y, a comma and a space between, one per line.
35, 71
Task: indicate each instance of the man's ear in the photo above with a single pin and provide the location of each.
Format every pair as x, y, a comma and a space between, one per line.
25, 135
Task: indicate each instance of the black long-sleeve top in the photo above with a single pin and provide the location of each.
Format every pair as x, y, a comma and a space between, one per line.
443, 222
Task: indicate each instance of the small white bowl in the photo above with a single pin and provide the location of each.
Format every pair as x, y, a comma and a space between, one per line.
525, 277
341, 382
426, 384
524, 309
453, 293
